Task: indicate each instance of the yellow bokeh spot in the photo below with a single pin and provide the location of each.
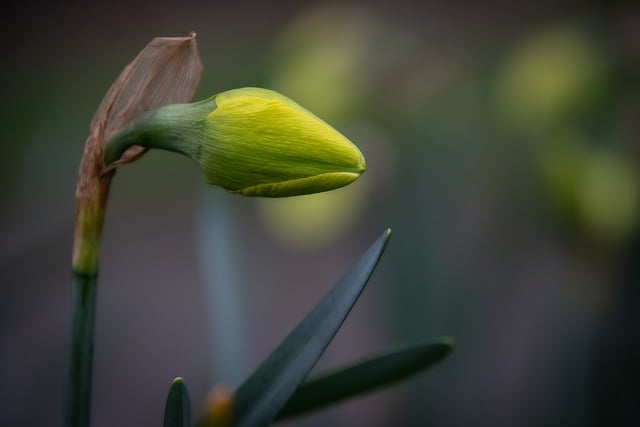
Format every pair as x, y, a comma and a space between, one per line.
315, 220
609, 195
560, 162
319, 58
549, 74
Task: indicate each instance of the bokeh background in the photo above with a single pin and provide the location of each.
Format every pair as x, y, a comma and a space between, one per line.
502, 148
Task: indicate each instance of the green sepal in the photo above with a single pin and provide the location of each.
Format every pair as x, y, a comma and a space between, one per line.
366, 376
266, 391
177, 410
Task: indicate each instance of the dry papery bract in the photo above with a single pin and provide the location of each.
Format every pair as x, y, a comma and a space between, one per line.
166, 71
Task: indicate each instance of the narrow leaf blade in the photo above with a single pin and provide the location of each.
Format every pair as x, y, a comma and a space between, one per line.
263, 395
357, 379
177, 411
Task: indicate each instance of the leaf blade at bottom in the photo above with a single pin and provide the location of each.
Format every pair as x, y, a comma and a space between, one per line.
262, 396
366, 376
177, 410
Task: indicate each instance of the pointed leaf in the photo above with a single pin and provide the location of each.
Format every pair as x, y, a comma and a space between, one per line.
263, 395
177, 411
366, 376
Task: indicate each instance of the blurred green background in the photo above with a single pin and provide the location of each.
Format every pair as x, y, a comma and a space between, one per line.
502, 148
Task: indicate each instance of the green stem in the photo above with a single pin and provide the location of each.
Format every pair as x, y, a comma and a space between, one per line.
91, 201
78, 403
169, 127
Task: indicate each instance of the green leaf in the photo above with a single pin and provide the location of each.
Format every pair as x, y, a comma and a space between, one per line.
366, 376
262, 396
177, 411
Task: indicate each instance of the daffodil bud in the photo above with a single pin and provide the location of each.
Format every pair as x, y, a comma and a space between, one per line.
251, 141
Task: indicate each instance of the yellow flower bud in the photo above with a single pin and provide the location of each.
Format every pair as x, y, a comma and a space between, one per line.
251, 141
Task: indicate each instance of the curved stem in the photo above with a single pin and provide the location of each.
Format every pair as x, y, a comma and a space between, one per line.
167, 70
170, 127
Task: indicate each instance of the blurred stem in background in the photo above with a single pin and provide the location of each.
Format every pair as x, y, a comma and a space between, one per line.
216, 234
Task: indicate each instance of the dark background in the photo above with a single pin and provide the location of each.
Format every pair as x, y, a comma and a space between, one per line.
502, 148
